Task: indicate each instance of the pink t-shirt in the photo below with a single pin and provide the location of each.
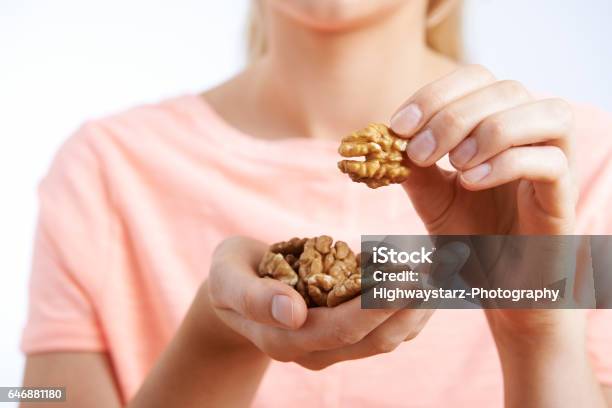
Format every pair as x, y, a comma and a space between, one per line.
134, 205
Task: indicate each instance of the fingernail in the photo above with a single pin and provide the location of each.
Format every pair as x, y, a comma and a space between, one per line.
406, 120
421, 146
282, 310
477, 173
464, 152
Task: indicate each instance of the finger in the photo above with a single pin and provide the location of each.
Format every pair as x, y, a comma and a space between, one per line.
324, 329
340, 326
273, 341
403, 326
584, 278
346, 324
457, 120
546, 166
417, 110
447, 260
536, 163
548, 120
235, 285
430, 190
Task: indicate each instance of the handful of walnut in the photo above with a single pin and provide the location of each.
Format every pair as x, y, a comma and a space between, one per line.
324, 274
383, 152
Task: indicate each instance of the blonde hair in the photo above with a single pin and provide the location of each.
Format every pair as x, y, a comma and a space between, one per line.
443, 33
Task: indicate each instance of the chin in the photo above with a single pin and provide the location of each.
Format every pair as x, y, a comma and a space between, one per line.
335, 15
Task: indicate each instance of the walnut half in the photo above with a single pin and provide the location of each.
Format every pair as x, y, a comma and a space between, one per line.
383, 152
324, 273
281, 261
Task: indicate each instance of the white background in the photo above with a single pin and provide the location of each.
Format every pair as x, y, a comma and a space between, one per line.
64, 61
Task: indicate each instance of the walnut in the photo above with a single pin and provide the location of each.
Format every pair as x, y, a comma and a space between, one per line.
345, 290
324, 273
281, 261
383, 152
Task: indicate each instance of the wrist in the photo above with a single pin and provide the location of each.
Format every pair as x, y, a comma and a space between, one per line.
543, 358
549, 371
210, 331
538, 335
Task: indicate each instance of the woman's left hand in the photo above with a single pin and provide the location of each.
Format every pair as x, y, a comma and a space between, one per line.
512, 154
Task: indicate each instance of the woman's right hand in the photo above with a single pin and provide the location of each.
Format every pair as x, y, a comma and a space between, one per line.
274, 317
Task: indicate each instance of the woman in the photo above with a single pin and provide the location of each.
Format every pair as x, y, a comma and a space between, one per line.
139, 297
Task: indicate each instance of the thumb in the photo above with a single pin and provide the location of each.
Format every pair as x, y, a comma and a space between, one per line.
447, 262
271, 302
234, 285
430, 189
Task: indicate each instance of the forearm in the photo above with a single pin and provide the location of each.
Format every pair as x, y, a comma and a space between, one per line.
550, 372
205, 364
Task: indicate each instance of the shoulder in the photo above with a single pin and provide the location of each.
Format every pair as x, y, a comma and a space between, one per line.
142, 125
134, 137
103, 152
104, 160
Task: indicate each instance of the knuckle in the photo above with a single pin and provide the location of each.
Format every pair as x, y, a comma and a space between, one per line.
512, 89
411, 335
344, 336
224, 250
214, 293
510, 162
233, 240
219, 248
280, 356
247, 305
479, 71
495, 129
384, 344
264, 343
450, 120
314, 364
430, 98
216, 289
270, 346
561, 110
223, 245
561, 160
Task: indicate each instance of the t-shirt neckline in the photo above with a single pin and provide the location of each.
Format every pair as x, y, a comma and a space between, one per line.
318, 155
213, 118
